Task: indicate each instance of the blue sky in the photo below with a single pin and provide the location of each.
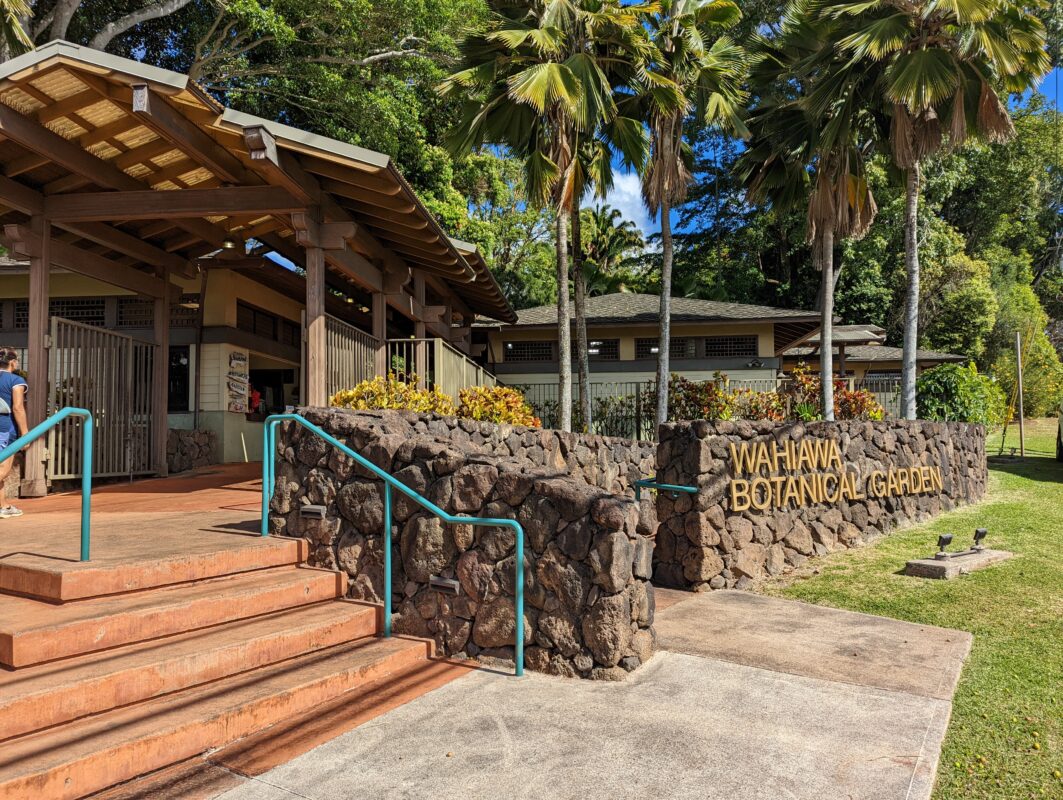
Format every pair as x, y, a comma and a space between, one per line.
625, 192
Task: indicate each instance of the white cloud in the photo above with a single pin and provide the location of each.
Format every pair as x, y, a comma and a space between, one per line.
626, 195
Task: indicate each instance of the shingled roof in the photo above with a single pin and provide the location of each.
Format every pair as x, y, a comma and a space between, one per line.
878, 352
624, 308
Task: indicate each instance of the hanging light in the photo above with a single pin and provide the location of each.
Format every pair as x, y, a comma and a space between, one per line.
229, 243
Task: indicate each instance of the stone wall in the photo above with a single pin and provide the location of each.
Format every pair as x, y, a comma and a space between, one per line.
896, 472
190, 449
588, 556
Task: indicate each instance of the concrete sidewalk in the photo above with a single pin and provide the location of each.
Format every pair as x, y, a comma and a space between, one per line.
779, 712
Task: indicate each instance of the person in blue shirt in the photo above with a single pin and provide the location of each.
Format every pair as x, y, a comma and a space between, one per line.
13, 423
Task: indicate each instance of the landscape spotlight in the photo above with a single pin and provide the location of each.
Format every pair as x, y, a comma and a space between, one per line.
944, 540
979, 535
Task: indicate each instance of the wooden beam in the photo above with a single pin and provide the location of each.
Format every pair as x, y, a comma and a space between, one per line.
160, 376
23, 239
168, 123
380, 331
282, 169
67, 106
131, 245
34, 482
180, 203
316, 355
34, 136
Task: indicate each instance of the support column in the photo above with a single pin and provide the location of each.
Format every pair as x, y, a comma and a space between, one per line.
316, 388
160, 379
420, 355
34, 482
380, 331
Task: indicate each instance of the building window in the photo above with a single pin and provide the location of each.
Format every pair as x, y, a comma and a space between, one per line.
268, 326
603, 349
185, 312
529, 351
177, 395
730, 346
86, 310
135, 312
678, 347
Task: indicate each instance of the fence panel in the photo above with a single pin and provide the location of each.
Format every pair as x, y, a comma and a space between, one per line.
350, 355
111, 375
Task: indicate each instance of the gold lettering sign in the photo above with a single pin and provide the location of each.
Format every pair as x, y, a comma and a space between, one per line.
822, 476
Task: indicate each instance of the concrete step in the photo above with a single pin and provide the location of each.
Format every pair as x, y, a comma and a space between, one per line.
44, 695
91, 754
124, 563
32, 632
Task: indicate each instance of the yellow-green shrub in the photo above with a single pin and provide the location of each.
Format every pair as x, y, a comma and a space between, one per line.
498, 404
391, 392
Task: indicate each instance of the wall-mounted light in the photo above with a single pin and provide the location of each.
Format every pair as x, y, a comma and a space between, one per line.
655, 350
755, 364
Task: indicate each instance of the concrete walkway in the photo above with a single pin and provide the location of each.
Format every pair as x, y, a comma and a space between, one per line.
757, 698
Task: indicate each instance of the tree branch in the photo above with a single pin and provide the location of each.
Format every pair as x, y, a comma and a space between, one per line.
122, 24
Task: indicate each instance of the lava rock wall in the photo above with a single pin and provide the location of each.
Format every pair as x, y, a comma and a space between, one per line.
773, 494
588, 556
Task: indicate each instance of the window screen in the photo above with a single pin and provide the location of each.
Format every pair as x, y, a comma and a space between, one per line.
529, 351
730, 346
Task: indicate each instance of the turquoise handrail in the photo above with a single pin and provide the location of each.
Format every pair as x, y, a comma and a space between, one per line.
269, 454
651, 483
86, 461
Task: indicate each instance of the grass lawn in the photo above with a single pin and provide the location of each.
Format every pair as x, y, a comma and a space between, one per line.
1005, 739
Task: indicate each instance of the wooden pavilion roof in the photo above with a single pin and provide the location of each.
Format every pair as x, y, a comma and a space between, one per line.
139, 171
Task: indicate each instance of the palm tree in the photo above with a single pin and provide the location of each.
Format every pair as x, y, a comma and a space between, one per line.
610, 239
539, 80
695, 77
940, 64
811, 133
13, 37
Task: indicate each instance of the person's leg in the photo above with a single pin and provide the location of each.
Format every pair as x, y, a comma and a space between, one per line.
6, 509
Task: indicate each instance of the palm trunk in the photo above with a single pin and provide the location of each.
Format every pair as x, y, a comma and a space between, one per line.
911, 298
664, 340
826, 323
564, 334
582, 350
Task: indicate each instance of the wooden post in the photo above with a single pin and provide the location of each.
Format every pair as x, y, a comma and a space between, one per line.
380, 331
1018, 377
34, 479
421, 348
316, 389
160, 379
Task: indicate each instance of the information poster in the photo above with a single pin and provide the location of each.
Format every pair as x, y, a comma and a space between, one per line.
237, 382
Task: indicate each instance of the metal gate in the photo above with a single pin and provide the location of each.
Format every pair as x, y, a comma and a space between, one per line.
110, 374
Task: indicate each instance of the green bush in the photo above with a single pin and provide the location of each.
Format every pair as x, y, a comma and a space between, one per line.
951, 392
498, 404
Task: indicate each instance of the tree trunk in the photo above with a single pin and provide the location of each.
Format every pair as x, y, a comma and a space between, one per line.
826, 322
665, 338
911, 297
564, 333
582, 350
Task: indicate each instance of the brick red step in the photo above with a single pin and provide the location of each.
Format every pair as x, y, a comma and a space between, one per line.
123, 563
44, 695
91, 754
32, 632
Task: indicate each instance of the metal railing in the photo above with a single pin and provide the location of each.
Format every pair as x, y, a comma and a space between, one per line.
671, 488
269, 455
86, 461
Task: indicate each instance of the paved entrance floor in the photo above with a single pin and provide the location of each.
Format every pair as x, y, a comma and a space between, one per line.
753, 698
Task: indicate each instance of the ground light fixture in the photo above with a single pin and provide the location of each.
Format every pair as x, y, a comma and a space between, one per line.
944, 540
979, 536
